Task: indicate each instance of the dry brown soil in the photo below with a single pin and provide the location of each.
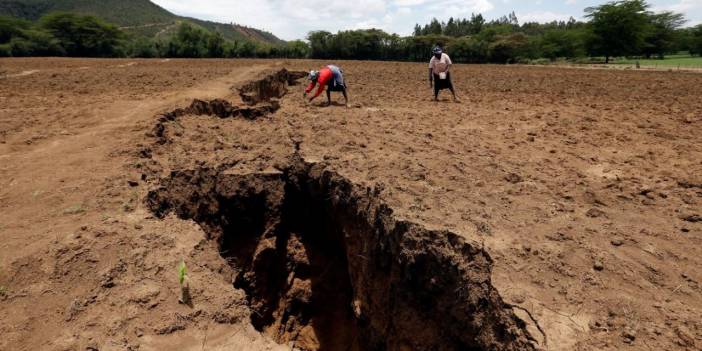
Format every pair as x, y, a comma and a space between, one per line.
552, 208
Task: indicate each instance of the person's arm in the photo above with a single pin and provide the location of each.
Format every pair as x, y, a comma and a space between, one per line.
319, 91
448, 61
431, 72
309, 88
324, 77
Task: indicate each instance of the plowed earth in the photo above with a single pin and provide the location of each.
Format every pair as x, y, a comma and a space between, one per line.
552, 208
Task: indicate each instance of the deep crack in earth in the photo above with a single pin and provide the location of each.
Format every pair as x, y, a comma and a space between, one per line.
326, 266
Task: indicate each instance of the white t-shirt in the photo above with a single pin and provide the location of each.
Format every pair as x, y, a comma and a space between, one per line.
440, 65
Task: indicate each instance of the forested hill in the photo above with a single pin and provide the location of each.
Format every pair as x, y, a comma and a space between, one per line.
141, 17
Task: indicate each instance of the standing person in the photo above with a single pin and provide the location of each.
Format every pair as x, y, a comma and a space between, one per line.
330, 76
439, 75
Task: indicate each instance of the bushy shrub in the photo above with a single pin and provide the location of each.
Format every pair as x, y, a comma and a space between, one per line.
142, 47
5, 50
84, 36
509, 48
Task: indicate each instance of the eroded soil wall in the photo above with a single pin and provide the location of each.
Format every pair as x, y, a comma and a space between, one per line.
326, 266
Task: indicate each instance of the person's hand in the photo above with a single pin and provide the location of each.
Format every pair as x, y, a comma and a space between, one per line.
431, 83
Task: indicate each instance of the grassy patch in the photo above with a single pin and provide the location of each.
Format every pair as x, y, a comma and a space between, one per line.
685, 61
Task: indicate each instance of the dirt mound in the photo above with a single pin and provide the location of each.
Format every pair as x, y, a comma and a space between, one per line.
325, 264
273, 85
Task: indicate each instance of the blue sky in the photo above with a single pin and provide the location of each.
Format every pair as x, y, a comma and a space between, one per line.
293, 19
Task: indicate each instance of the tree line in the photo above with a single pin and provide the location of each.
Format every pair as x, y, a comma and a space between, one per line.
70, 34
614, 29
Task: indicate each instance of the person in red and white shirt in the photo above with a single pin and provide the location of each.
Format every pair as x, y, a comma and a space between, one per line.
331, 77
439, 75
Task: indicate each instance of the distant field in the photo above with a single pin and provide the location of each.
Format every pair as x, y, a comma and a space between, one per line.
686, 61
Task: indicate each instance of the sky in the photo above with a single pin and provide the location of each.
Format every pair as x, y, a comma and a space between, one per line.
293, 19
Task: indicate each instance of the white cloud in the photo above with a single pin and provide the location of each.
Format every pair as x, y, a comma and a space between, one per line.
409, 2
681, 6
293, 19
289, 19
692, 9
542, 16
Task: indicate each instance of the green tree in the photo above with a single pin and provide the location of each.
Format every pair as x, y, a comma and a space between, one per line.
142, 47
319, 43
617, 28
419, 48
696, 41
451, 28
475, 25
296, 49
84, 36
662, 33
215, 45
469, 50
11, 27
417, 30
246, 49
566, 43
509, 48
434, 27
189, 41
38, 43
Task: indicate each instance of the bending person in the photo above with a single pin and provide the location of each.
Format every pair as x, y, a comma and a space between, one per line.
331, 77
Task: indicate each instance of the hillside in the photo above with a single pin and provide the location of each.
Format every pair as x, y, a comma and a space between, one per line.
140, 17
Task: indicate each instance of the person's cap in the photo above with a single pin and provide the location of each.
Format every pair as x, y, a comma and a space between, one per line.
437, 50
313, 75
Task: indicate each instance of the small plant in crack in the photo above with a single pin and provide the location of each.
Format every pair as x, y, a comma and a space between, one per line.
3, 291
184, 282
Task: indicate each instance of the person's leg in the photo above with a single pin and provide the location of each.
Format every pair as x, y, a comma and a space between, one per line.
450, 85
346, 97
328, 96
436, 87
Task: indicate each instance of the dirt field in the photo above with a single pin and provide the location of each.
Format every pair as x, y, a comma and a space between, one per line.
554, 209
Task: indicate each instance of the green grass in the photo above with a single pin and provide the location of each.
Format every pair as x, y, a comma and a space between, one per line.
685, 61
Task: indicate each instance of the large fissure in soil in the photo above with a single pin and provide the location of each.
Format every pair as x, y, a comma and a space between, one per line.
271, 86
326, 266
259, 95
